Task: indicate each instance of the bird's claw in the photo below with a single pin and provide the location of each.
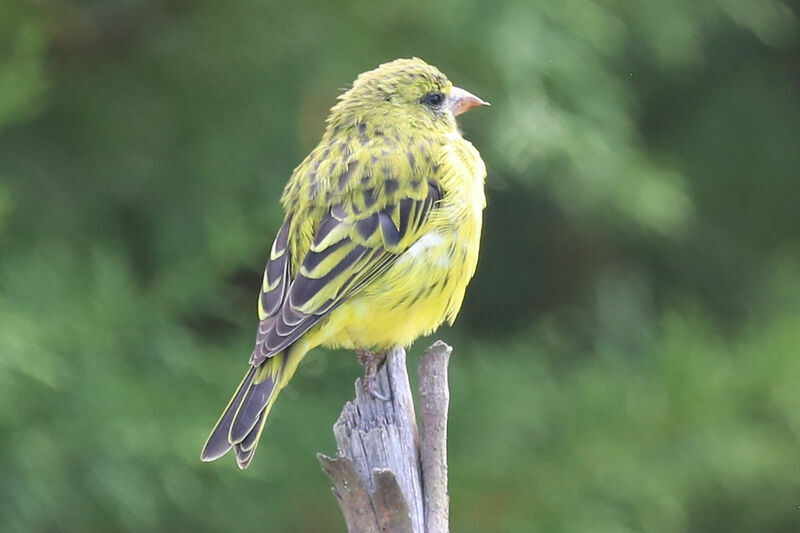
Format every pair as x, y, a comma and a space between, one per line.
372, 362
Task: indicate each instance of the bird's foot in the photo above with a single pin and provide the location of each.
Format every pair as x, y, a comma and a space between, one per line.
372, 361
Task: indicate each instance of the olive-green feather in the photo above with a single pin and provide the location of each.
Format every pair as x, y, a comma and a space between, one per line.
390, 185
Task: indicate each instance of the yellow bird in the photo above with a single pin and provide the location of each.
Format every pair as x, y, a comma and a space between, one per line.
380, 239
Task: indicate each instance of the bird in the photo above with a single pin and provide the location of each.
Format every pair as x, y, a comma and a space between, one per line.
379, 241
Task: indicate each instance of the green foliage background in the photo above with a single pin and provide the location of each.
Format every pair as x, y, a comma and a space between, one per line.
628, 355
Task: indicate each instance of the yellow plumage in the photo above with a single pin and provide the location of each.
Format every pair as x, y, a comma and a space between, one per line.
379, 242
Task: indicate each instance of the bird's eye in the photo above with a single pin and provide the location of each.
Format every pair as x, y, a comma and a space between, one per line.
433, 99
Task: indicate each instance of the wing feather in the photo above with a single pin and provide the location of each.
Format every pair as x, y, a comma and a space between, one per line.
349, 249
276, 274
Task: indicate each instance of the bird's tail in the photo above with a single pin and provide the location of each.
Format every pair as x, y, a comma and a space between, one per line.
242, 421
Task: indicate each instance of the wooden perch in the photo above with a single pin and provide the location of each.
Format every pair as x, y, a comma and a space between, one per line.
385, 478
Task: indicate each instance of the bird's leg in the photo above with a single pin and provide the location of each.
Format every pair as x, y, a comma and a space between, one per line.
372, 361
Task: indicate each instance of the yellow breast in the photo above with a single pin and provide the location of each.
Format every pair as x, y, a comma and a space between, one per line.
425, 286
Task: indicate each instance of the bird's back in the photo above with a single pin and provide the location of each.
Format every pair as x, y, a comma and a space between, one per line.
425, 285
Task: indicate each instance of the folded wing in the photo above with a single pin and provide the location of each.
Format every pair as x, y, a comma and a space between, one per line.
356, 240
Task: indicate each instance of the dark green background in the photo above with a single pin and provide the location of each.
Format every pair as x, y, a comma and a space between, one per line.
628, 355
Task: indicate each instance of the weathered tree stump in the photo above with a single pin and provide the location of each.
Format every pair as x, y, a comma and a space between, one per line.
385, 478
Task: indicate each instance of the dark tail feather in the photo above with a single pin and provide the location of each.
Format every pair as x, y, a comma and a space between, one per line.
245, 449
242, 422
217, 444
250, 409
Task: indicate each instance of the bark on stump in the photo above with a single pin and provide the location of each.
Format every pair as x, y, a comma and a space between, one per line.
385, 477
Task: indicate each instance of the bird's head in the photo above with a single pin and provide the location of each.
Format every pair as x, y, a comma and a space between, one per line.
404, 93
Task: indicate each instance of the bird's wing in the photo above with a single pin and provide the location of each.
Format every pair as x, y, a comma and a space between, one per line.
276, 274
356, 240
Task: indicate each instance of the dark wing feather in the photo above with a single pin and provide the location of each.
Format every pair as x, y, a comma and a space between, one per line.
276, 274
348, 251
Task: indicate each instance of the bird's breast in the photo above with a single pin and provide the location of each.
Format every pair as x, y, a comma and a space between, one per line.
425, 285
421, 289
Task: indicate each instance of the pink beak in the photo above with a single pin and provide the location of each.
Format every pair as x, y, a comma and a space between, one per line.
461, 101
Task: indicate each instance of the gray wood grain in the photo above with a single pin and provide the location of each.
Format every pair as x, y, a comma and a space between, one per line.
434, 400
377, 476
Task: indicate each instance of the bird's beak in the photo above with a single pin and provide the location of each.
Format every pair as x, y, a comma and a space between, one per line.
461, 101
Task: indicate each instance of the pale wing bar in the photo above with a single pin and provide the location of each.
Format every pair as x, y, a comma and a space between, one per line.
346, 254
